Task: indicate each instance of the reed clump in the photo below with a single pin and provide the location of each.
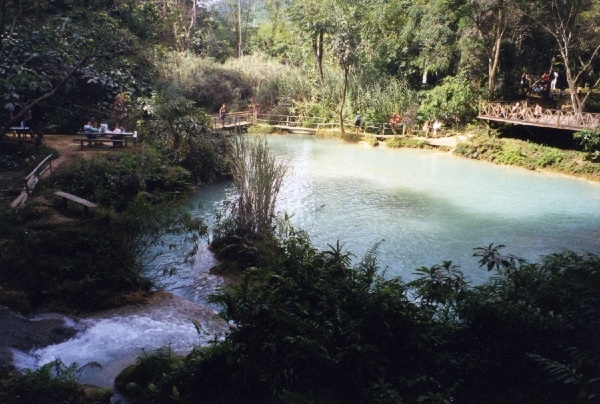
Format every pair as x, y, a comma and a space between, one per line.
247, 226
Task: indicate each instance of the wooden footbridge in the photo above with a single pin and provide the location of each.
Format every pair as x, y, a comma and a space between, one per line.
240, 121
522, 113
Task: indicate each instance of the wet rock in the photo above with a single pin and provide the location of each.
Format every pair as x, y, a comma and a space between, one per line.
98, 395
17, 331
7, 369
18, 301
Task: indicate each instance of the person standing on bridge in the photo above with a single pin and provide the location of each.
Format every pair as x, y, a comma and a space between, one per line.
554, 80
525, 83
223, 114
437, 125
357, 122
426, 127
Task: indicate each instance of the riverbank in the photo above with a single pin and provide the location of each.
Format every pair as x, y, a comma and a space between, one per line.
510, 152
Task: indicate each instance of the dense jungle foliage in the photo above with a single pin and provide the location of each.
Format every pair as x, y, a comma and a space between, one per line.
423, 59
59, 256
311, 327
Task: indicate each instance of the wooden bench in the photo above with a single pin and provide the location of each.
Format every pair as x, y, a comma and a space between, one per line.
69, 197
96, 141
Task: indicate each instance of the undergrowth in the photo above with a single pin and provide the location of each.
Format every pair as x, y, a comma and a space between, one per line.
371, 140
399, 142
529, 155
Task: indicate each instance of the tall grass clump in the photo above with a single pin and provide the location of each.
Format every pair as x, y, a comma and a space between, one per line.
258, 178
210, 84
248, 223
271, 81
204, 81
377, 101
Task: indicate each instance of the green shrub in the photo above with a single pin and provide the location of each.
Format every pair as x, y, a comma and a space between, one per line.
312, 326
87, 263
371, 140
183, 136
113, 180
351, 137
139, 382
398, 142
453, 102
589, 140
510, 156
377, 101
549, 158
52, 383
18, 156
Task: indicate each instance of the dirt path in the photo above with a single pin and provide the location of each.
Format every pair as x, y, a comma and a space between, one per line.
68, 152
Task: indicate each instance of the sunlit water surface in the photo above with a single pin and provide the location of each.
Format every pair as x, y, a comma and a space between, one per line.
428, 206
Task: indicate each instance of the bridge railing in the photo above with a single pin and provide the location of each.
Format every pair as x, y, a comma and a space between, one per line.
293, 121
522, 112
299, 121
234, 118
367, 128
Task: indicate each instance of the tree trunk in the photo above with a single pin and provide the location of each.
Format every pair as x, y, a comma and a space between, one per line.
572, 81
575, 101
240, 52
193, 18
317, 45
495, 55
343, 99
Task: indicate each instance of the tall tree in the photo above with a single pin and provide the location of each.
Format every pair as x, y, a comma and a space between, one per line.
314, 17
430, 30
65, 46
574, 26
490, 21
239, 15
345, 42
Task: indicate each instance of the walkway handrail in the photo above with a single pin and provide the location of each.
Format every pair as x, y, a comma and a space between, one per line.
525, 114
307, 122
34, 177
32, 180
319, 123
235, 118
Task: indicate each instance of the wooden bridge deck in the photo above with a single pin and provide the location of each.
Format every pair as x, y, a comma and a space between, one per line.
295, 128
547, 118
300, 124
